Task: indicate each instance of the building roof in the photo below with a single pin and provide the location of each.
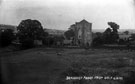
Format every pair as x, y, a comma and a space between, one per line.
84, 21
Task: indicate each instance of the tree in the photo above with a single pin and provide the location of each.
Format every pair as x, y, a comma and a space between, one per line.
111, 34
126, 32
69, 33
98, 40
114, 26
6, 37
133, 36
108, 31
107, 36
45, 37
28, 31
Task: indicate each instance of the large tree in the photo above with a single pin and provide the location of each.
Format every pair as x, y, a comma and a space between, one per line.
107, 36
30, 30
111, 34
114, 26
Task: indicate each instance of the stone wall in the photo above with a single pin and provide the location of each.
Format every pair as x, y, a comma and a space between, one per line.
83, 33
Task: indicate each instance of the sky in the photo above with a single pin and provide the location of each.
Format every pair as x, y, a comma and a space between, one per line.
60, 14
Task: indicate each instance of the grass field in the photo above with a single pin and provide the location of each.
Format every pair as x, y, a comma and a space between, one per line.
52, 65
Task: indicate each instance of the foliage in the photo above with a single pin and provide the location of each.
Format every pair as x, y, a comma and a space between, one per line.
121, 42
133, 36
107, 36
48, 41
98, 40
58, 38
52, 40
27, 43
126, 32
114, 26
30, 30
6, 37
111, 34
69, 33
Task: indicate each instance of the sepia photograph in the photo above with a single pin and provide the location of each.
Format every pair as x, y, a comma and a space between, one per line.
67, 41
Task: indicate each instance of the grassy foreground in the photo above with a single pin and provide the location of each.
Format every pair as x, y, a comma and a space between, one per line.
52, 66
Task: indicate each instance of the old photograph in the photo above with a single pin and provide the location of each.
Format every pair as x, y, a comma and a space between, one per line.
67, 41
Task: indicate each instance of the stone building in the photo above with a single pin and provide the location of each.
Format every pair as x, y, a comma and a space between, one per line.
124, 36
83, 33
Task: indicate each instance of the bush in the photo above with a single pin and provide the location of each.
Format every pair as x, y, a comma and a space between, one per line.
98, 41
27, 43
6, 37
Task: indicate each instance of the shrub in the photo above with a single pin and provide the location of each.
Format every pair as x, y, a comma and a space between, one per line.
98, 41
6, 37
27, 43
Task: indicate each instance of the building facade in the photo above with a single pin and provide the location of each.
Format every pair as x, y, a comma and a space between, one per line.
83, 33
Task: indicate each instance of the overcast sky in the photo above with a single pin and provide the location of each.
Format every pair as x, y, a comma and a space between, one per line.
60, 14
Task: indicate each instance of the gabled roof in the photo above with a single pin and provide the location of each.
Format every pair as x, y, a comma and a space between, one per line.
83, 21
